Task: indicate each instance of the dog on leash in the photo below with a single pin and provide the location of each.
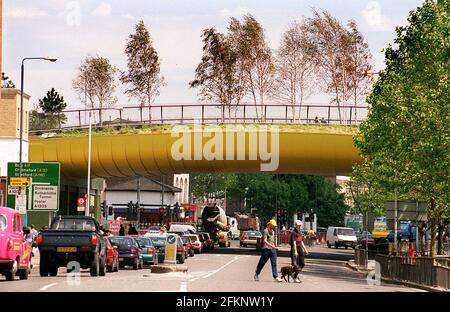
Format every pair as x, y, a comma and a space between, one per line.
290, 271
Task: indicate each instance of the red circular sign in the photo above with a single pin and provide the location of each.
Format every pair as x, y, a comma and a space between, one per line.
80, 201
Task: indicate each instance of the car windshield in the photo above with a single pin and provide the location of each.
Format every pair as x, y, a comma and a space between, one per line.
253, 233
158, 241
2, 222
144, 242
346, 232
122, 241
68, 224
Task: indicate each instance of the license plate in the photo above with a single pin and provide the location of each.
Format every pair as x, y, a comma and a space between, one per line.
252, 238
120, 259
66, 249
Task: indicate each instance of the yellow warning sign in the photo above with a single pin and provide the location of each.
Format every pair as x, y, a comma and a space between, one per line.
19, 181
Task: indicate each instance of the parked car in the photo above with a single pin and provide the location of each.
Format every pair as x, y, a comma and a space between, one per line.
196, 243
72, 238
341, 236
15, 252
189, 248
250, 238
149, 252
112, 256
159, 241
130, 253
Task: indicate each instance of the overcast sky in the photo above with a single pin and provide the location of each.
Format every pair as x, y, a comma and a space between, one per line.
71, 30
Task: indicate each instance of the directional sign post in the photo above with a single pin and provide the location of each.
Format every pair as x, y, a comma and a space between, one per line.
39, 181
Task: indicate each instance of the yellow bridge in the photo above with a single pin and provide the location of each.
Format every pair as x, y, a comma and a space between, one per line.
296, 149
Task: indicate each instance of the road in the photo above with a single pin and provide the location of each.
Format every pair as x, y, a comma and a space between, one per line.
212, 272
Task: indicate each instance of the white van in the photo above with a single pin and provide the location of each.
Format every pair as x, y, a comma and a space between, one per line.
341, 236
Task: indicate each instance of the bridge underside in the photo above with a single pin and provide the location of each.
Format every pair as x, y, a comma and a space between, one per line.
303, 151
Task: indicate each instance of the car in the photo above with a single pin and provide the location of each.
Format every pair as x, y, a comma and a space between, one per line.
196, 243
341, 236
112, 256
159, 241
15, 252
176, 228
250, 238
207, 241
181, 251
365, 238
187, 241
72, 238
149, 252
130, 253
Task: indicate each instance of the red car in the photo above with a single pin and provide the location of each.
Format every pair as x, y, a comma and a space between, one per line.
112, 256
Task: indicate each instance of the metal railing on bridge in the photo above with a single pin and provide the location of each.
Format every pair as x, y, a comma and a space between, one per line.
210, 114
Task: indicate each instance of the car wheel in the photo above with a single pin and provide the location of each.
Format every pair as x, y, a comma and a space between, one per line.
181, 261
10, 275
43, 265
346, 247
95, 266
336, 245
23, 274
53, 270
328, 244
102, 267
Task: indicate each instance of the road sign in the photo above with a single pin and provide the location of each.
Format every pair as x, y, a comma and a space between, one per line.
407, 210
44, 189
20, 182
114, 226
171, 249
45, 197
21, 203
80, 201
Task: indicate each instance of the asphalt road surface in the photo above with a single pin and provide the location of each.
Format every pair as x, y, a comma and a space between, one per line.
218, 271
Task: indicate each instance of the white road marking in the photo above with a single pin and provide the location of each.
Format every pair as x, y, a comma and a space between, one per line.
48, 286
183, 287
194, 279
221, 268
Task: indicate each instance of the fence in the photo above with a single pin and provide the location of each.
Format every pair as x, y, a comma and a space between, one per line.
211, 114
423, 270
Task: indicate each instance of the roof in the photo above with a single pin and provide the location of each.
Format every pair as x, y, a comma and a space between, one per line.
130, 184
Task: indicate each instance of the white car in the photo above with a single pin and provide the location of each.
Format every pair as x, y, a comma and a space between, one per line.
250, 238
341, 236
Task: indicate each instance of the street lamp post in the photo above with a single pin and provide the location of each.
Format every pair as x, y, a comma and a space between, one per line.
22, 78
88, 201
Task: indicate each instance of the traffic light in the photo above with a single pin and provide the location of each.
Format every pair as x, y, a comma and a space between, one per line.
130, 209
161, 215
278, 215
104, 209
110, 211
285, 216
299, 215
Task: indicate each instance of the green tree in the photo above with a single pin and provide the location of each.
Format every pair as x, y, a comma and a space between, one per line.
143, 75
96, 81
53, 104
405, 141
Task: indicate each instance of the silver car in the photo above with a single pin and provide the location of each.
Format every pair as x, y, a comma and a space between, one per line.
250, 238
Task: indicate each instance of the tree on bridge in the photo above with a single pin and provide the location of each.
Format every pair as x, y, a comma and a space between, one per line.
51, 117
405, 141
143, 77
96, 83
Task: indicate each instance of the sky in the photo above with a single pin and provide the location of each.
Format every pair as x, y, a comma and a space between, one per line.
72, 30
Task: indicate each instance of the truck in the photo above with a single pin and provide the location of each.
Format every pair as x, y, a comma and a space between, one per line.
72, 239
214, 221
247, 222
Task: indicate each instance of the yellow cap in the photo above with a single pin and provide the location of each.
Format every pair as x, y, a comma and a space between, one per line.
272, 222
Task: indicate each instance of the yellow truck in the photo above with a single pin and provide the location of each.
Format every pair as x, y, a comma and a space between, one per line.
380, 230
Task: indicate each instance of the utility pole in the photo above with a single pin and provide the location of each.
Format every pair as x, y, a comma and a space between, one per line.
138, 203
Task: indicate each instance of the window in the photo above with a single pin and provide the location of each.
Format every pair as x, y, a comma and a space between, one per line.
3, 222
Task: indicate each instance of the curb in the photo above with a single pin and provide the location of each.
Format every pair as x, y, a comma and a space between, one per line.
354, 267
414, 285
